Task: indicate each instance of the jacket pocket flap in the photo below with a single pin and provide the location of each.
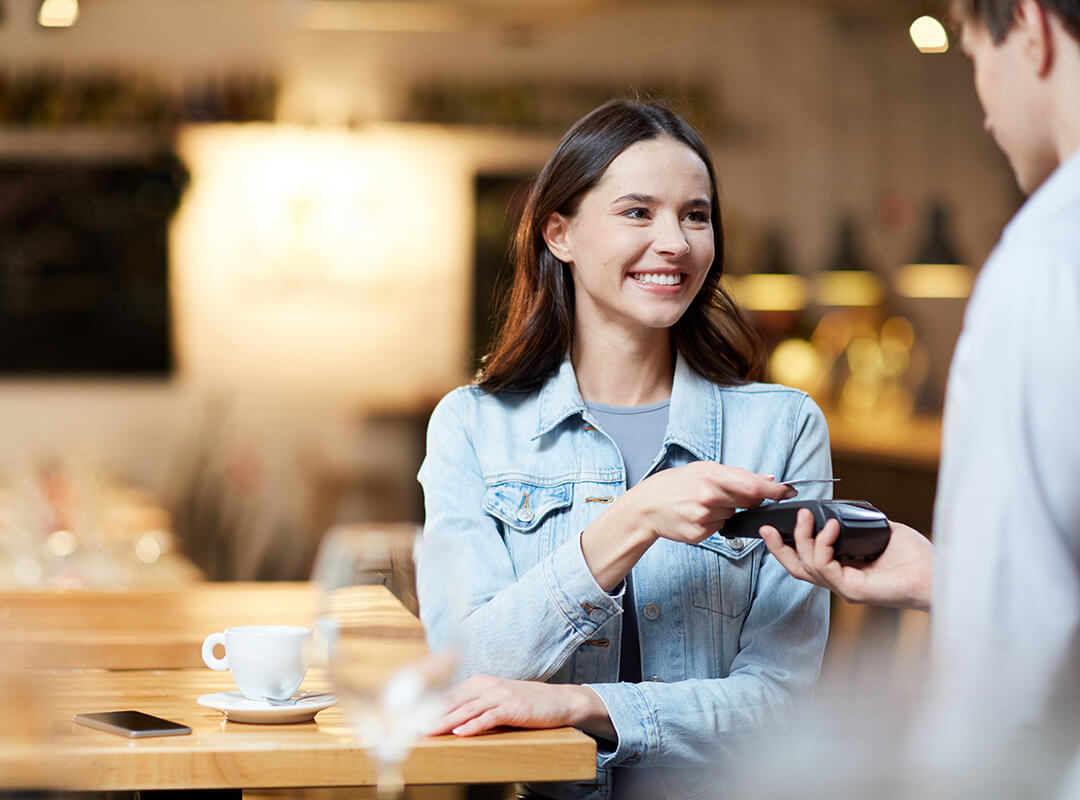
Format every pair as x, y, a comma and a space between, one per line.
735, 549
524, 506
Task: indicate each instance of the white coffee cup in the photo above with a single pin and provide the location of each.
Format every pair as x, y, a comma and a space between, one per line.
265, 660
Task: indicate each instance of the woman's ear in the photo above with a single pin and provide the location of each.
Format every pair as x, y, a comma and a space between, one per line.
555, 232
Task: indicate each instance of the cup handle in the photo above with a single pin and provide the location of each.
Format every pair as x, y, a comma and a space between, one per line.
208, 656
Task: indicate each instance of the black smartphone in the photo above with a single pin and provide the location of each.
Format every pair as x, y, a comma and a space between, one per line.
133, 724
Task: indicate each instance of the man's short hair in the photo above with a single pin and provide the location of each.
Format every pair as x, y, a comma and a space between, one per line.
998, 15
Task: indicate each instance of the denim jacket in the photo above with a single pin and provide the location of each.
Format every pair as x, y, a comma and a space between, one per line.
728, 638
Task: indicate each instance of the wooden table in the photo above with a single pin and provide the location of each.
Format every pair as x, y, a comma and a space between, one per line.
134, 650
229, 755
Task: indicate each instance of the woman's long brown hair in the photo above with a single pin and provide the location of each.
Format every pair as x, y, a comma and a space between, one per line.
537, 313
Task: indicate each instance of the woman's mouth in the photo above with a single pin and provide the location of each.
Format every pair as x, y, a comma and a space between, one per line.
658, 278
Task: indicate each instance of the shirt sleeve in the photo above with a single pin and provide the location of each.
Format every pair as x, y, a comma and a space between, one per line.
523, 627
691, 722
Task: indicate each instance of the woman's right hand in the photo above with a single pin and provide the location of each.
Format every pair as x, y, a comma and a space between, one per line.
689, 504
685, 504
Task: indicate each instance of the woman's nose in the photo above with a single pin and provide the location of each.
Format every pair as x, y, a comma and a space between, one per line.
670, 238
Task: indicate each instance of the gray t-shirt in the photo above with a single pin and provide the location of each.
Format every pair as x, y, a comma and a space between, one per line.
638, 432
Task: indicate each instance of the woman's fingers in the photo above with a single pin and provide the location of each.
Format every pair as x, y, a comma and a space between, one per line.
467, 711
478, 724
484, 702
463, 702
743, 489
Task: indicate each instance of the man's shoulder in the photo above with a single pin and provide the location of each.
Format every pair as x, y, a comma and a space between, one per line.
1049, 222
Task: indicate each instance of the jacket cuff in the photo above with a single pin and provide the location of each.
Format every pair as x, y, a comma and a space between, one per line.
635, 725
575, 592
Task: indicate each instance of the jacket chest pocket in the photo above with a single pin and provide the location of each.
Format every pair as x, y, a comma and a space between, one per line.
724, 572
524, 507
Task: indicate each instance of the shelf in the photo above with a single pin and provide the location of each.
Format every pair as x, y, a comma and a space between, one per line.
82, 143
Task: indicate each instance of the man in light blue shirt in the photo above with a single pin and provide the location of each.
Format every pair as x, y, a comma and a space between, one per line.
1006, 583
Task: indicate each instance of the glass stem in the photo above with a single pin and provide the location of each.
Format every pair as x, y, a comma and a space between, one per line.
390, 783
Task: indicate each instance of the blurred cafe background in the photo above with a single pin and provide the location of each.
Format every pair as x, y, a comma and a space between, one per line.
246, 245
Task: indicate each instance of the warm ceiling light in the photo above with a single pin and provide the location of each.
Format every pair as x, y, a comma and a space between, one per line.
935, 271
769, 292
847, 281
934, 280
58, 13
929, 35
848, 287
774, 286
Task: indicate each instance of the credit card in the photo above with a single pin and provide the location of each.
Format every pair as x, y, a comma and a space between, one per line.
795, 482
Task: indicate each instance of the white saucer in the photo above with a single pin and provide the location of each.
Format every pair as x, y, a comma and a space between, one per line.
238, 708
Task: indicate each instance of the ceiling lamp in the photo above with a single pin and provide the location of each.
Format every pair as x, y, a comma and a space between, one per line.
936, 271
847, 281
929, 35
774, 286
58, 13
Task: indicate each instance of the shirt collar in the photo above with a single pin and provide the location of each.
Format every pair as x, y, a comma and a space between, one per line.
1061, 188
694, 417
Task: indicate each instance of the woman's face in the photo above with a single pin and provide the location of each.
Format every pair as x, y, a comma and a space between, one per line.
640, 243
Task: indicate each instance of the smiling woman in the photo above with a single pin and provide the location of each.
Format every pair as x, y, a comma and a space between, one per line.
638, 258
538, 310
612, 431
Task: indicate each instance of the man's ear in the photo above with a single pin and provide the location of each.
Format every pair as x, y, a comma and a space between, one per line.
555, 233
1033, 24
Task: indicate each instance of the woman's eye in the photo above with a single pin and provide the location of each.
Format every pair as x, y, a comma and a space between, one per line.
698, 216
636, 213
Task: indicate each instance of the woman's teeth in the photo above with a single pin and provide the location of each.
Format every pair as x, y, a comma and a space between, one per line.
661, 278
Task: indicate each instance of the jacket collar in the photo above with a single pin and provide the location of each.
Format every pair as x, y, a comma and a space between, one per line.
694, 417
696, 413
559, 399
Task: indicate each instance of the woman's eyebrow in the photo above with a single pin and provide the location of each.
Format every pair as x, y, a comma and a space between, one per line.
647, 199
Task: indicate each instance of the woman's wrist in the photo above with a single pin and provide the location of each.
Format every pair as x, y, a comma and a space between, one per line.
589, 714
614, 542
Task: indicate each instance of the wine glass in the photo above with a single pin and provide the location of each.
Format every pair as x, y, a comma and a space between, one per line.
389, 678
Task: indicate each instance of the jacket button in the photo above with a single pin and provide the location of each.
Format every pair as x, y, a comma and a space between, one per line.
656, 679
525, 514
651, 611
736, 544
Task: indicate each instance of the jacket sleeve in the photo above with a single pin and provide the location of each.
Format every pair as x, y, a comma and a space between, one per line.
692, 722
516, 626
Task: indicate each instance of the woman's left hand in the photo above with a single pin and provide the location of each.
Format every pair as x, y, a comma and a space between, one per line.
483, 702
